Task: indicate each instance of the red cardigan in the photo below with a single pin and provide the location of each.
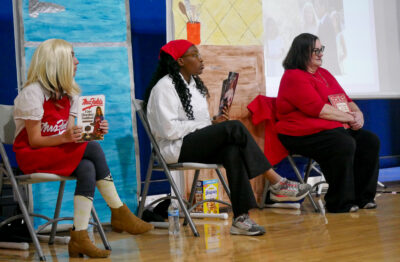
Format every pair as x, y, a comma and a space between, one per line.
263, 108
300, 100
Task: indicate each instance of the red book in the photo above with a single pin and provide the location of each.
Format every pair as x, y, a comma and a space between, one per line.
340, 102
228, 91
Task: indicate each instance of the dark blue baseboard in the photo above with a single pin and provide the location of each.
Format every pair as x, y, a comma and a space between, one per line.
389, 161
389, 174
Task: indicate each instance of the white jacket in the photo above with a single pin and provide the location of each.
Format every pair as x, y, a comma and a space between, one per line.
167, 118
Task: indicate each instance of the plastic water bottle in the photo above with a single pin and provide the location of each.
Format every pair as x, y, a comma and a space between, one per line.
173, 219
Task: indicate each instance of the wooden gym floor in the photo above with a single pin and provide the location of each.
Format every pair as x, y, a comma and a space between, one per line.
292, 235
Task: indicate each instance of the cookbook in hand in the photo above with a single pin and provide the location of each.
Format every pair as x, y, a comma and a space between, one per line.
228, 91
90, 114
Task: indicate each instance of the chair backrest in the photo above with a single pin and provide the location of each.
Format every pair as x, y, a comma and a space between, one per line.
7, 125
263, 108
138, 104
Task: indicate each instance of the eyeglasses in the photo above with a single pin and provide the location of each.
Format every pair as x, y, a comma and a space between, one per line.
195, 55
318, 51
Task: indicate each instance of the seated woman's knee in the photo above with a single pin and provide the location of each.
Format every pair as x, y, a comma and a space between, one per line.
94, 145
345, 145
230, 154
232, 123
235, 124
373, 141
86, 178
237, 129
86, 172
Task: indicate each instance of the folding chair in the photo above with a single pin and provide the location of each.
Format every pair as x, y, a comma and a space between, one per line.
264, 109
299, 177
157, 163
312, 166
7, 130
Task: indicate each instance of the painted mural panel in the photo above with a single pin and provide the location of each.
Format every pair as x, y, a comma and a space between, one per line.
230, 37
93, 21
98, 31
222, 22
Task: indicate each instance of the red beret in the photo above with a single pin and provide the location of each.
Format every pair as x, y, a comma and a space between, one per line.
176, 48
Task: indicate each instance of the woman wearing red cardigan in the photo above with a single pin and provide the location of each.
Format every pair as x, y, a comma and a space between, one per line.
311, 126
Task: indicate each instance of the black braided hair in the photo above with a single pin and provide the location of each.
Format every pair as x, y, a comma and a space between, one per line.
168, 66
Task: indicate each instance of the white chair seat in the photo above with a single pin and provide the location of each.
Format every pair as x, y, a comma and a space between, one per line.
188, 166
39, 178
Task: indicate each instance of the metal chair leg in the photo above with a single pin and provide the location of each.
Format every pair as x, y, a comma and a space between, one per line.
381, 184
100, 229
146, 186
180, 201
57, 212
224, 184
308, 170
22, 204
193, 189
264, 195
299, 177
192, 192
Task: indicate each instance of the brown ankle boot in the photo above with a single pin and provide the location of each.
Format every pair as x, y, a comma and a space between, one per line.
122, 219
80, 245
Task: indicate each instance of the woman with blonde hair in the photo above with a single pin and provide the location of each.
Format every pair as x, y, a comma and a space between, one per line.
46, 136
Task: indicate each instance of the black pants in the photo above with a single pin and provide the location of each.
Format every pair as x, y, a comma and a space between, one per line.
349, 160
229, 143
93, 167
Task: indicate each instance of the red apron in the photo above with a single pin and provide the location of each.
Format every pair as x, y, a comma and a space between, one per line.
62, 159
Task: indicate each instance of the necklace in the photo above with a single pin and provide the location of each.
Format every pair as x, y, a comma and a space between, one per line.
323, 78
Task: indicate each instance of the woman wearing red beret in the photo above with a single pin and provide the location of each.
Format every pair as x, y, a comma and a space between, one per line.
177, 111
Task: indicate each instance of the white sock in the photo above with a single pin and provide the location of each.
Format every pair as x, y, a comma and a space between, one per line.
82, 209
107, 190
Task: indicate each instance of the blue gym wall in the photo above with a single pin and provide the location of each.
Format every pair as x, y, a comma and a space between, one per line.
148, 35
8, 71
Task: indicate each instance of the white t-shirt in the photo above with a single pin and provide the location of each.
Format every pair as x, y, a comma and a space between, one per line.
167, 117
28, 105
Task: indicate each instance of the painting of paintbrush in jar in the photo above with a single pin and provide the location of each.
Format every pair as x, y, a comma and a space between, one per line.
193, 23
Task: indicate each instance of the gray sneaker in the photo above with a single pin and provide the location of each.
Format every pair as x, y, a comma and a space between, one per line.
370, 205
244, 225
287, 190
